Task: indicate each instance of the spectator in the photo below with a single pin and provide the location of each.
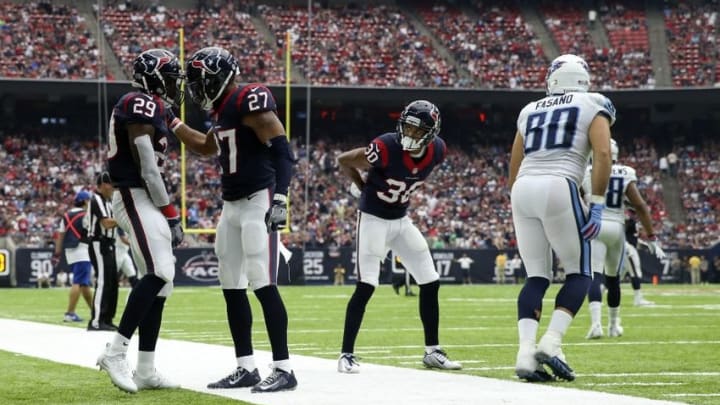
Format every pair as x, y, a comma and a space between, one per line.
694, 268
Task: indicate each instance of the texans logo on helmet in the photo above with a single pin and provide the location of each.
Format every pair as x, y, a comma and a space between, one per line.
209, 64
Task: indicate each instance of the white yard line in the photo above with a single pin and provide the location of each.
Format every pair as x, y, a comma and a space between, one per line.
193, 365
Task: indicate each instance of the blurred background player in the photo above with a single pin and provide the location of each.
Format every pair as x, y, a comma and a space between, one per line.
465, 262
632, 263
608, 250
138, 137
400, 276
101, 234
397, 164
500, 263
125, 265
555, 136
72, 239
256, 164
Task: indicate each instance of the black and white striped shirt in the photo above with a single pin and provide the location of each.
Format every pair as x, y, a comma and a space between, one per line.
98, 209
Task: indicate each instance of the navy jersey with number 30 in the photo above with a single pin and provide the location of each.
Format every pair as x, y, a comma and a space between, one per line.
135, 108
245, 161
395, 174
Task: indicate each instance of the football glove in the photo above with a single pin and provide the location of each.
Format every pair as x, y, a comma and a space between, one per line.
591, 229
654, 247
276, 216
173, 220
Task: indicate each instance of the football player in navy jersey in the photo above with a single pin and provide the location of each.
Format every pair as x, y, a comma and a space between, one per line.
397, 163
256, 165
138, 139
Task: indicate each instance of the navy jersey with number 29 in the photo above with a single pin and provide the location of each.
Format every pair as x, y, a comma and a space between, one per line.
135, 108
395, 174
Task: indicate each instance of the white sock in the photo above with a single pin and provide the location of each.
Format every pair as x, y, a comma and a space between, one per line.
527, 332
595, 312
430, 349
559, 322
146, 363
614, 315
119, 344
283, 365
638, 294
247, 362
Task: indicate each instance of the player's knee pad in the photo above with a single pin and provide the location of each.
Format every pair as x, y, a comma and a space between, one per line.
254, 238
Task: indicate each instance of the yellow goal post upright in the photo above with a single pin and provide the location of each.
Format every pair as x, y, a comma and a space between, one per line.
183, 154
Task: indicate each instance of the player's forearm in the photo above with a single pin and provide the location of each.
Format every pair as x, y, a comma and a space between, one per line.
196, 141
644, 215
600, 173
150, 172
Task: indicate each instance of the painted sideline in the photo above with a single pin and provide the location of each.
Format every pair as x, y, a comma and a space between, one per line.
193, 365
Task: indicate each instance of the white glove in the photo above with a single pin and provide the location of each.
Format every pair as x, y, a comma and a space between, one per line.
654, 247
355, 190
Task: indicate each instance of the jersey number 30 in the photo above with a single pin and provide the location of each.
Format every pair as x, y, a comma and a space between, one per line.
398, 191
558, 132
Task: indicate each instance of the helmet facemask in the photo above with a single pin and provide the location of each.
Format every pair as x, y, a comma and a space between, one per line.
418, 125
209, 72
158, 72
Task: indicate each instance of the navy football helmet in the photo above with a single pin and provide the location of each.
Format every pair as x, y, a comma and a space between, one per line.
418, 125
209, 71
158, 72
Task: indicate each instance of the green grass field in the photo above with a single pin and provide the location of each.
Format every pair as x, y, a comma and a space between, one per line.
669, 351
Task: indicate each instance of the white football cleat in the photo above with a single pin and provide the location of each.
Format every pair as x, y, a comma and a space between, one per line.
615, 330
596, 332
118, 369
642, 302
155, 381
348, 364
439, 359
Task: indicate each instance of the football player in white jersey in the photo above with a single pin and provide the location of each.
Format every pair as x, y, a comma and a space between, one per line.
608, 250
555, 137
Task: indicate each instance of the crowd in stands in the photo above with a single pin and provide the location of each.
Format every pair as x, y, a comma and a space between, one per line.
423, 44
46, 41
464, 204
691, 30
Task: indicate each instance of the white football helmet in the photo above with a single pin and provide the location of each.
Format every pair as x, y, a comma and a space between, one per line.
614, 150
567, 73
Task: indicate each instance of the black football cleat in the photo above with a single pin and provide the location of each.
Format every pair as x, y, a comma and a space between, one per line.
239, 378
561, 369
278, 380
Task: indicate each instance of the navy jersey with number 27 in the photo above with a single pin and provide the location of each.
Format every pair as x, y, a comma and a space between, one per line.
245, 161
395, 174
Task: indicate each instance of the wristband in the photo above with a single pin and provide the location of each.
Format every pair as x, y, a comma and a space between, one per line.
169, 211
280, 197
597, 199
175, 124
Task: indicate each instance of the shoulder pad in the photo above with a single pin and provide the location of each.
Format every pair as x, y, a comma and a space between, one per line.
255, 98
604, 104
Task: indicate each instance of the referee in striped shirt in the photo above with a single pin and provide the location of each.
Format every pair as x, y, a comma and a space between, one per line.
101, 233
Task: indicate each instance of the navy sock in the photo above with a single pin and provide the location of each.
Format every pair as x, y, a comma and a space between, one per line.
430, 312
354, 315
239, 316
595, 291
613, 294
572, 294
149, 327
635, 281
529, 302
276, 320
139, 302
